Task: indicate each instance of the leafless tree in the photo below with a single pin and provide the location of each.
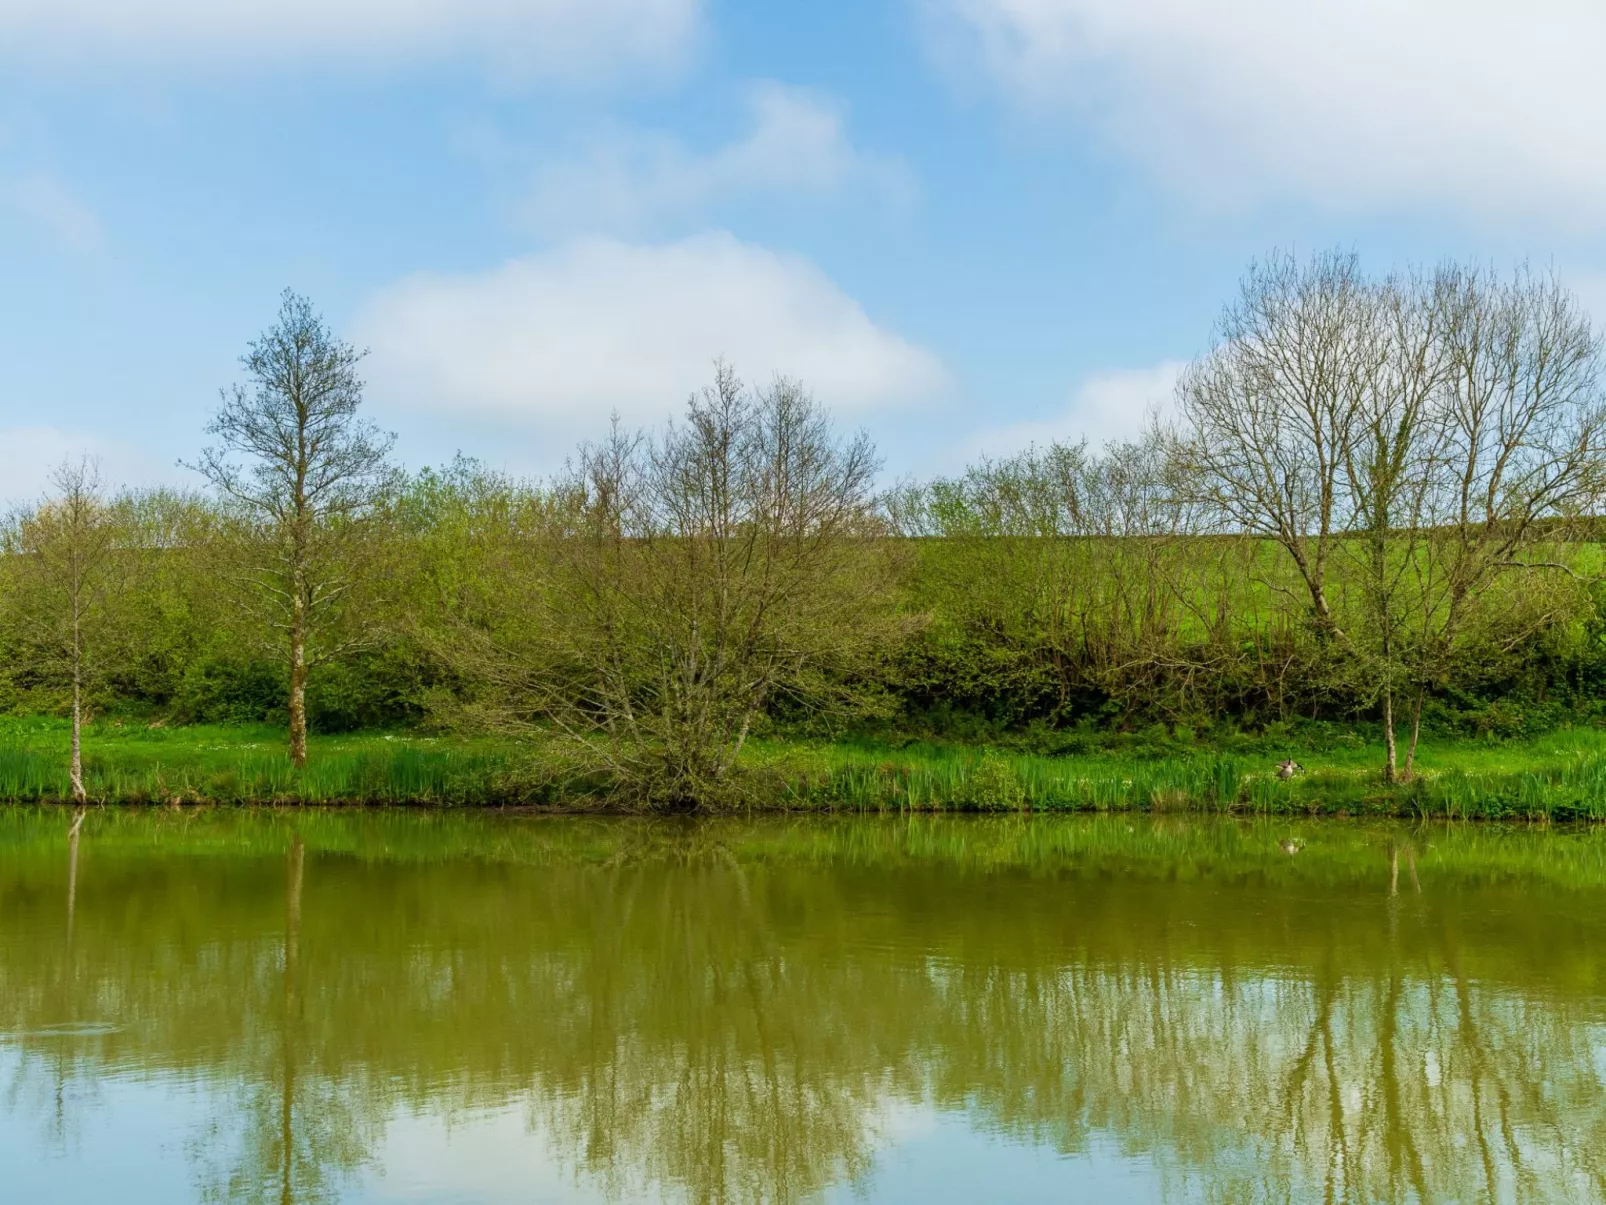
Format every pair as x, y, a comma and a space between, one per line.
1518, 468
701, 577
1405, 442
1391, 455
307, 476
1270, 414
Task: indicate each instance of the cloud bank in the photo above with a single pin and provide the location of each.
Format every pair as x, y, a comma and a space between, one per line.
1106, 407
1483, 106
796, 148
561, 339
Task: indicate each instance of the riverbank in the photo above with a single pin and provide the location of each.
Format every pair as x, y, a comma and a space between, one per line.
1558, 777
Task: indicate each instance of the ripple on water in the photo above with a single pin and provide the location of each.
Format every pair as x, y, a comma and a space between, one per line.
69, 1029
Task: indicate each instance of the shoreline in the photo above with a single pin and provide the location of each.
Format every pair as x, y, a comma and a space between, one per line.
1556, 777
757, 812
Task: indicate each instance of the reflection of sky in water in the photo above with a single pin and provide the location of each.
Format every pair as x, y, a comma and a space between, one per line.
114, 1139
581, 1014
131, 1140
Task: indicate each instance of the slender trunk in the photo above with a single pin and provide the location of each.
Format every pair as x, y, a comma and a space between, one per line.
1391, 769
1416, 732
78, 793
298, 682
77, 771
728, 763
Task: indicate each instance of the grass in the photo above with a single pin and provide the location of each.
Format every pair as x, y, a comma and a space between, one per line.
1561, 776
209, 764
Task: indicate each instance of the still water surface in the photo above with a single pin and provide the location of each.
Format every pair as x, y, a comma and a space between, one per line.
387, 1008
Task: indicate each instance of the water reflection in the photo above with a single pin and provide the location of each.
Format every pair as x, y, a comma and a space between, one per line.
742, 1013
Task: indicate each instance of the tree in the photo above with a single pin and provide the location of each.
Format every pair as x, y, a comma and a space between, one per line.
1270, 413
693, 581
1390, 455
67, 548
1518, 467
313, 479
1405, 443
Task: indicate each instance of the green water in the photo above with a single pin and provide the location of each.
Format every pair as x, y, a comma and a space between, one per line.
325, 1007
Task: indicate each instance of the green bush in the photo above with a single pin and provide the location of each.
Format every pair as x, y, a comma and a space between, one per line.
220, 690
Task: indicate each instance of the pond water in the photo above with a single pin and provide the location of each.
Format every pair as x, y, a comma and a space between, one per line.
327, 1007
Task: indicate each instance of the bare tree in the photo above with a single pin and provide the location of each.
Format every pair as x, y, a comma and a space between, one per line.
312, 479
1406, 443
1518, 469
1271, 412
67, 546
1391, 455
700, 578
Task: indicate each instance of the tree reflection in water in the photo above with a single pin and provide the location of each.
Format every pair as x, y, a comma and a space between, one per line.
733, 1013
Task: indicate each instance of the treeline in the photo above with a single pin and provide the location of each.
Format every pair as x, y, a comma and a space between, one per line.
1375, 500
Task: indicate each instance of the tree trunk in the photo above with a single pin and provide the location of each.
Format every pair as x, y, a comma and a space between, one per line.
77, 770
1390, 770
1416, 732
298, 684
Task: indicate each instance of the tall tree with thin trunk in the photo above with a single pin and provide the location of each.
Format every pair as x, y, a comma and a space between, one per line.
307, 476
67, 547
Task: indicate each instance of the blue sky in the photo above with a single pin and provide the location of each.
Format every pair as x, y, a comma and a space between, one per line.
967, 224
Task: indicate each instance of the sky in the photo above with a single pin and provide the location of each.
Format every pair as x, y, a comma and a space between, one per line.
966, 225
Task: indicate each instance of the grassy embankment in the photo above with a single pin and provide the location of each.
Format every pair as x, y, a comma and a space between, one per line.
1561, 776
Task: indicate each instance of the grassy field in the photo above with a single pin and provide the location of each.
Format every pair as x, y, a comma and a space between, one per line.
1557, 777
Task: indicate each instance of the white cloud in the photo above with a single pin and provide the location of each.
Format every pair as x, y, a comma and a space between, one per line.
47, 203
1485, 105
565, 337
797, 148
557, 37
1108, 406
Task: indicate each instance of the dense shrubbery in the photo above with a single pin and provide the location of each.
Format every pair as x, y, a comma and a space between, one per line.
992, 666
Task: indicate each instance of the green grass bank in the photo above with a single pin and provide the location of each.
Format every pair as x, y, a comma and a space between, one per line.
1557, 777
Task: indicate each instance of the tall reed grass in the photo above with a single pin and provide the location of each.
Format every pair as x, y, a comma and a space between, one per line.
1560, 778
1564, 782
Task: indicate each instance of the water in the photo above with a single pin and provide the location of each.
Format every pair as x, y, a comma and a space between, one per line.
318, 1007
